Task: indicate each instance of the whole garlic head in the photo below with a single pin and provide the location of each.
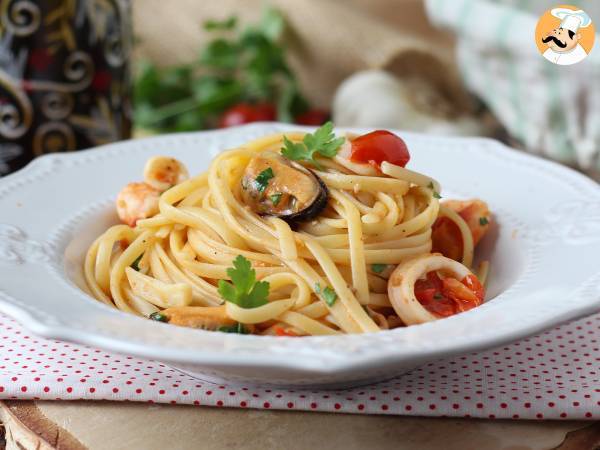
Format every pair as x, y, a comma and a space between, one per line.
378, 99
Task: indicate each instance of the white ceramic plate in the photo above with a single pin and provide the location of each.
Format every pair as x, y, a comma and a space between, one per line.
544, 256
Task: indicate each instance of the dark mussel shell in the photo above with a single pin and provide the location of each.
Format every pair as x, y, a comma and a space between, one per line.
259, 195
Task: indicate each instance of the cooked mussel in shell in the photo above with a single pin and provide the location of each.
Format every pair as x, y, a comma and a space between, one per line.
275, 186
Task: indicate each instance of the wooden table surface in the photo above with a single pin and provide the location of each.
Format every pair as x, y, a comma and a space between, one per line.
110, 425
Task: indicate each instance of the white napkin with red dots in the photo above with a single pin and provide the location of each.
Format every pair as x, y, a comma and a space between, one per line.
554, 375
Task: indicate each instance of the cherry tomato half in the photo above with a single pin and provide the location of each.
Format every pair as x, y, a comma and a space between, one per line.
245, 113
378, 146
312, 117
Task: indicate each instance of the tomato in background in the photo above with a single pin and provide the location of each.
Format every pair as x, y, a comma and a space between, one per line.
378, 146
246, 113
313, 117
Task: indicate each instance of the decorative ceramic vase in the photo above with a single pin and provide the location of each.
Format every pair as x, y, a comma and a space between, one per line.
64, 76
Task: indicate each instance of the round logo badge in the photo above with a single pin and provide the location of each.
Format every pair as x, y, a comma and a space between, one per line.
565, 35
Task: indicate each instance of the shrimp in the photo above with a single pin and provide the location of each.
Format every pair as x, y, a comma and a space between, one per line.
446, 235
137, 201
140, 200
162, 172
212, 318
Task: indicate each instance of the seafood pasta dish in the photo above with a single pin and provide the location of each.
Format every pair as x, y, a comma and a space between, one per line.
293, 234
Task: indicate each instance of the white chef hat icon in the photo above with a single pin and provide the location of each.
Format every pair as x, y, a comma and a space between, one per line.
572, 20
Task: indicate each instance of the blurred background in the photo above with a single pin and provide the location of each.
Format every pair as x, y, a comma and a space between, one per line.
77, 73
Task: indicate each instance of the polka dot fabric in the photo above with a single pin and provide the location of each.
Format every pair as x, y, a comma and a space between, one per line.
554, 375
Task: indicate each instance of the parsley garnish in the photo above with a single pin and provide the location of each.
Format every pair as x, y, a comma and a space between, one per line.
378, 268
322, 142
158, 316
328, 294
245, 291
262, 180
483, 221
237, 328
436, 194
136, 264
276, 198
438, 296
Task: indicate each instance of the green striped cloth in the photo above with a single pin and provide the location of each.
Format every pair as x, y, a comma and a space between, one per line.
550, 109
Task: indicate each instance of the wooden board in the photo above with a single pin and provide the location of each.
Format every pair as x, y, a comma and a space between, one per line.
106, 425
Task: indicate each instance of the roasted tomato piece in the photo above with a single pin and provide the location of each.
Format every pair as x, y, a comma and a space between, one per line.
446, 236
448, 296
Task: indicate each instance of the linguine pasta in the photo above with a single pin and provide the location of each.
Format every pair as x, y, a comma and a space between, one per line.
326, 275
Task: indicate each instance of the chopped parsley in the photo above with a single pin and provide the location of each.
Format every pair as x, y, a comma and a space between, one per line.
238, 328
262, 180
436, 194
276, 198
245, 291
328, 294
136, 264
483, 221
158, 316
378, 268
438, 296
322, 142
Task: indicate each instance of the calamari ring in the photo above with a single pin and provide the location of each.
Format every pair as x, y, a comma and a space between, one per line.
401, 285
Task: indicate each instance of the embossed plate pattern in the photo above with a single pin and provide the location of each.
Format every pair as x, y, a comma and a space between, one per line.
545, 267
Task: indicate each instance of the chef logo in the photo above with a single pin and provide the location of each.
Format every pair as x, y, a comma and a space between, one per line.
565, 35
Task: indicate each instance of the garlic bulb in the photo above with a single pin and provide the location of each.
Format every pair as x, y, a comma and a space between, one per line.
378, 99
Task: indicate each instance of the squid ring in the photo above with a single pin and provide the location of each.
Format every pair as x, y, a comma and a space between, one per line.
401, 285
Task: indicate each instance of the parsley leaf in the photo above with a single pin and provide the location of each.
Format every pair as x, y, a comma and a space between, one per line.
276, 198
322, 142
237, 328
378, 268
262, 180
227, 24
328, 294
483, 221
436, 194
271, 24
245, 291
136, 264
158, 317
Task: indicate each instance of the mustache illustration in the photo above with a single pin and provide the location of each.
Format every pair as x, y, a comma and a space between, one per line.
556, 41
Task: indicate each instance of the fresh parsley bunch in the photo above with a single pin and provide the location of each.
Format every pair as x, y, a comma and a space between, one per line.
236, 66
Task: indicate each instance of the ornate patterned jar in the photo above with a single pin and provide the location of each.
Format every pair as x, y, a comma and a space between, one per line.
64, 76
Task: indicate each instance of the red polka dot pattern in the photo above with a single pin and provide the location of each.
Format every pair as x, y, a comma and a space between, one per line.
554, 375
